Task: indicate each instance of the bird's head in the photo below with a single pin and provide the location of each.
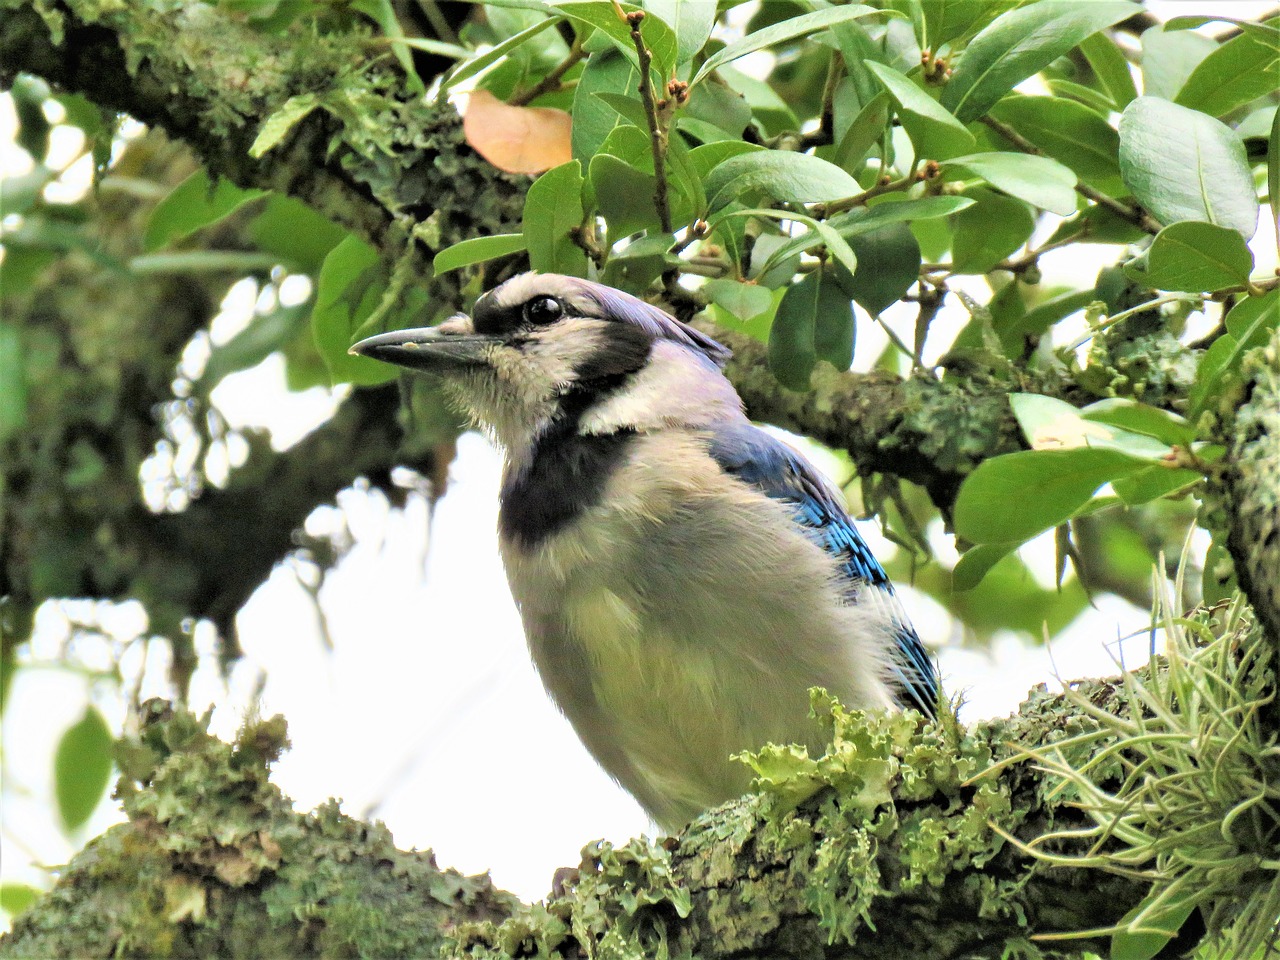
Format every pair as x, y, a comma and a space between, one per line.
543, 348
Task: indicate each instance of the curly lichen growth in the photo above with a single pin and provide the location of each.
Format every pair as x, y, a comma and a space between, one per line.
214, 861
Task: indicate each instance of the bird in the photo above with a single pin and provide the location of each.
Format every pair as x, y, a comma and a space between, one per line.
683, 576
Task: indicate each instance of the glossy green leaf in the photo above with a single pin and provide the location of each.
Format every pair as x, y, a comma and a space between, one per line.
552, 210
691, 20
990, 230
639, 263
1111, 68
934, 132
469, 68
1252, 320
976, 561
1040, 181
192, 204
769, 110
1250, 324
1052, 424
13, 379
1200, 174
789, 29
888, 264
82, 768
1070, 133
602, 15
1195, 257
594, 116
1021, 43
477, 250
1257, 125
1169, 57
348, 289
792, 352
1011, 498
781, 174
1142, 940
1237, 72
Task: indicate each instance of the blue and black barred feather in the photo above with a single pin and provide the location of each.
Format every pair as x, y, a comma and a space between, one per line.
756, 458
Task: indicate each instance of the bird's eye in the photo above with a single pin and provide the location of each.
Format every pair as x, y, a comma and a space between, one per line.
542, 310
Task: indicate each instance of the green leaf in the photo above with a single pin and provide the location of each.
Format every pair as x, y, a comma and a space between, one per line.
1070, 133
1257, 125
782, 174
348, 290
13, 378
1021, 43
1111, 68
637, 265
691, 20
976, 561
192, 204
867, 219
1011, 498
552, 210
1200, 174
1154, 482
1040, 181
1237, 72
1169, 57
17, 897
888, 264
477, 250
947, 19
594, 117
1052, 424
82, 768
624, 196
792, 352
1136, 417
866, 130
935, 133
1252, 320
789, 29
603, 16
834, 326
1142, 941
265, 334
745, 301
1193, 256
469, 68
278, 125
295, 233
987, 232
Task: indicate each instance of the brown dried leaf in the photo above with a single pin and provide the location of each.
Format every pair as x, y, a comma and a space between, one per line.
517, 139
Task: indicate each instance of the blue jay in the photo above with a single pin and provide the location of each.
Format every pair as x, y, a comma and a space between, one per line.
683, 577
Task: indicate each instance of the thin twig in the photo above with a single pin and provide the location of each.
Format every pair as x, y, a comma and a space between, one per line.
1134, 215
824, 210
657, 133
551, 82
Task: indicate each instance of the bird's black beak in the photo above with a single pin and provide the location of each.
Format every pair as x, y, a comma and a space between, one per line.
434, 349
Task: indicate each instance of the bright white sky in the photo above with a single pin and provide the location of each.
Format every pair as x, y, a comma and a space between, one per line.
427, 713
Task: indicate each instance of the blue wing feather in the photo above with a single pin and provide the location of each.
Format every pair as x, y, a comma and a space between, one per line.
758, 459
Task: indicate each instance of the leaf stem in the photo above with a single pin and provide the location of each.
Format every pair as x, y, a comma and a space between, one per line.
824, 210
827, 123
551, 82
1134, 215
